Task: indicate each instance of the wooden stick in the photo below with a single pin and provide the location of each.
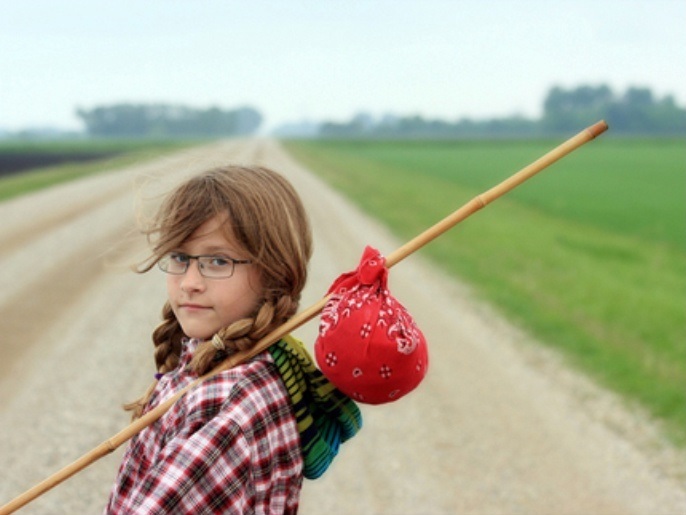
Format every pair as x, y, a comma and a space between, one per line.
301, 318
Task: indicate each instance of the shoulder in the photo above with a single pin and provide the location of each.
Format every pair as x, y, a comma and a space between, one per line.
245, 392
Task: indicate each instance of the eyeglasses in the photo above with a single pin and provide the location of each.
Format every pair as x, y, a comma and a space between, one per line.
212, 267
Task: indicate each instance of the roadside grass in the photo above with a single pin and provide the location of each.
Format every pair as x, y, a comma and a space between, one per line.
119, 153
588, 256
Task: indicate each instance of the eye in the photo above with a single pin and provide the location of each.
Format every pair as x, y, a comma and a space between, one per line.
179, 257
219, 261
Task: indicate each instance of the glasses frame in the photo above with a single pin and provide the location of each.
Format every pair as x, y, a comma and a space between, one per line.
164, 261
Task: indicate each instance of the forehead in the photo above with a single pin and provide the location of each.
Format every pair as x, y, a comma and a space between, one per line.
214, 233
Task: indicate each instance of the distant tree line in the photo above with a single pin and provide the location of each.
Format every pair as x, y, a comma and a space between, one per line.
635, 112
168, 121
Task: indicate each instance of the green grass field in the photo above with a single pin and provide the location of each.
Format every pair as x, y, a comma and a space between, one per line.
589, 255
107, 154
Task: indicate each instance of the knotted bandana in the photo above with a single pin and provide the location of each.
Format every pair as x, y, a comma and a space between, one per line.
369, 346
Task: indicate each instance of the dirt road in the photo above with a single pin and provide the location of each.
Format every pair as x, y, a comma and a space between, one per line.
498, 427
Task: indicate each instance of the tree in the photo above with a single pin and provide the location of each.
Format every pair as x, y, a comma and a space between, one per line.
164, 120
565, 110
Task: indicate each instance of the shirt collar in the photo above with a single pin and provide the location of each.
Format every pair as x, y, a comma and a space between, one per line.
188, 347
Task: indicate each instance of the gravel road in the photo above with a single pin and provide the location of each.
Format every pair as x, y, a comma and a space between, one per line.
499, 426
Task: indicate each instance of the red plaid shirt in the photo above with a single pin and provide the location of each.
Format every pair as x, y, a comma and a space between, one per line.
230, 445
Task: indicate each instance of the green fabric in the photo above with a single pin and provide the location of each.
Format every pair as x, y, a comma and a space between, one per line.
326, 417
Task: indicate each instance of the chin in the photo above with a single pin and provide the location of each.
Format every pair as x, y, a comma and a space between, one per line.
197, 334
196, 329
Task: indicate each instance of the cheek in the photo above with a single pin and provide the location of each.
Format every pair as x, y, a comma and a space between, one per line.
255, 287
172, 282
247, 295
255, 283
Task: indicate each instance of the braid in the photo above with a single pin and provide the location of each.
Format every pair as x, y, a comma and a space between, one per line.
243, 334
167, 341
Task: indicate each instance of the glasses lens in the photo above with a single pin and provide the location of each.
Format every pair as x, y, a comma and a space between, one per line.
215, 266
174, 263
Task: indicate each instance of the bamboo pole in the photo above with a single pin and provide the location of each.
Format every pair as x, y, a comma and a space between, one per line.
308, 314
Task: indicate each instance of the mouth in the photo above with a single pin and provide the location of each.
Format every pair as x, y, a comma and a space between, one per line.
193, 307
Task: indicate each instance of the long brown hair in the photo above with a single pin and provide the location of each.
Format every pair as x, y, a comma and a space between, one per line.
266, 217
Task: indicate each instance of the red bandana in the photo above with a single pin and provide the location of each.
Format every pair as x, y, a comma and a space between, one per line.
369, 346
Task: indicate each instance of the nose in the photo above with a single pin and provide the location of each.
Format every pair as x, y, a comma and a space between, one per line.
193, 280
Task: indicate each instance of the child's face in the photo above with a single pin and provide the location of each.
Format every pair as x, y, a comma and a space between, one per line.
204, 306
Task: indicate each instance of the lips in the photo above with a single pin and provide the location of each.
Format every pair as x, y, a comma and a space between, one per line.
193, 307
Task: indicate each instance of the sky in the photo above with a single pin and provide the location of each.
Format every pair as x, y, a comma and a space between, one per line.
297, 60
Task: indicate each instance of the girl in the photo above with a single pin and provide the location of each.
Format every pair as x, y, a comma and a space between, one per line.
234, 243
